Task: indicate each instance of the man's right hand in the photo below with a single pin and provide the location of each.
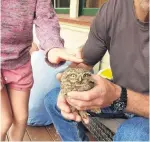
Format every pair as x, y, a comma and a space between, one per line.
65, 109
62, 100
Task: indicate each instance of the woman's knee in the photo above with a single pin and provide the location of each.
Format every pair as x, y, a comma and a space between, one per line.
6, 113
21, 120
6, 124
134, 129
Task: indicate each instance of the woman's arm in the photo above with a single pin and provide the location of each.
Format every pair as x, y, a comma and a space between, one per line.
48, 33
47, 26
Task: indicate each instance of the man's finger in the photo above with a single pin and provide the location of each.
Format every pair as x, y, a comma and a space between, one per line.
82, 96
96, 78
68, 116
86, 120
71, 116
78, 117
62, 104
58, 76
83, 105
78, 95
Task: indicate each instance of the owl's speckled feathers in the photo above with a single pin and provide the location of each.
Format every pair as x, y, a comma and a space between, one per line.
76, 79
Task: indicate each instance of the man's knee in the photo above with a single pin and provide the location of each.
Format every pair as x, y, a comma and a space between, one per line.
50, 101
49, 104
134, 129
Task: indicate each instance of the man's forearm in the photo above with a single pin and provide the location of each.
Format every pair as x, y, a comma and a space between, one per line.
138, 104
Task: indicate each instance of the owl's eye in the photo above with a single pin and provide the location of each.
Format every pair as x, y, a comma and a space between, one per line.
73, 75
86, 75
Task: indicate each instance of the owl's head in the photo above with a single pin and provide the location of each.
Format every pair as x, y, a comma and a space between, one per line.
76, 75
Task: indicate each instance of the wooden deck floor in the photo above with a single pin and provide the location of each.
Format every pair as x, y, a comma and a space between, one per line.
43, 134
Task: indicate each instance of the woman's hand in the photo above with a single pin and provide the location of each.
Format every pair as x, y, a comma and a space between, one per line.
57, 55
33, 48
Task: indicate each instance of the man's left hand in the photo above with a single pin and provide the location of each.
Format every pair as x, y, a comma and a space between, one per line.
102, 95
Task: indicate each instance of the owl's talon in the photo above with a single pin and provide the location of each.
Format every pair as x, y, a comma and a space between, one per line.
96, 110
83, 114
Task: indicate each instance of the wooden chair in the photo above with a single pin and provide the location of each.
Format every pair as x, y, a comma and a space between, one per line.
103, 129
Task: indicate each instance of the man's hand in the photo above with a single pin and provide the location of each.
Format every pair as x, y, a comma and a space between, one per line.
56, 55
62, 100
102, 95
65, 109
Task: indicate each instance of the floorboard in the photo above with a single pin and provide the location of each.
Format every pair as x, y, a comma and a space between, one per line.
51, 130
26, 137
45, 134
38, 134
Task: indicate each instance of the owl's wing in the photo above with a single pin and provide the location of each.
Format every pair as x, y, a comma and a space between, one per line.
65, 88
84, 88
62, 92
91, 80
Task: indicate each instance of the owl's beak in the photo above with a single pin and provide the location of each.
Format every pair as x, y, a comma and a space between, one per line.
80, 79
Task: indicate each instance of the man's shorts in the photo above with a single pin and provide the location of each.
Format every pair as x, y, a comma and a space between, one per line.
20, 79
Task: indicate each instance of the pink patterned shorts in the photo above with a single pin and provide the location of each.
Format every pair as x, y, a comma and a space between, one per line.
20, 79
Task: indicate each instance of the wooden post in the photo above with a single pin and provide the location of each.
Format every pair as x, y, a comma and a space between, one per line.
74, 8
54, 3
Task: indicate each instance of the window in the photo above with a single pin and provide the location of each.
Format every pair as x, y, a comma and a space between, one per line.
61, 6
90, 7
86, 7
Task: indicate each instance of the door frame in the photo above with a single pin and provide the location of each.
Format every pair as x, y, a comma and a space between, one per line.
61, 10
88, 11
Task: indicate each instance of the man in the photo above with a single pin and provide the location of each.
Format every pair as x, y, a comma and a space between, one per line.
122, 28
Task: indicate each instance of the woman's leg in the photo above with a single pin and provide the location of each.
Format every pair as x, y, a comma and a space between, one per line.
19, 102
6, 114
